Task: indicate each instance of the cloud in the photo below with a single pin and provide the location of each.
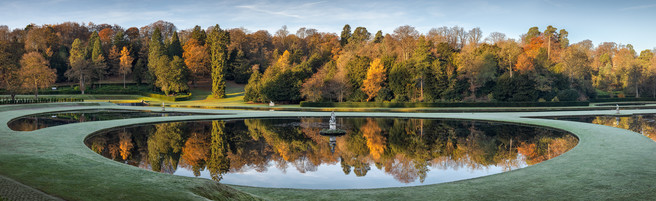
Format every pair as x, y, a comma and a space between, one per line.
279, 13
640, 7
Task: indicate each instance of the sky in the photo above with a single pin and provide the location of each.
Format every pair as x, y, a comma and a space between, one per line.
623, 22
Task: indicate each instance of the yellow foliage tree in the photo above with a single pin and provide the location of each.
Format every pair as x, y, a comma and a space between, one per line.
375, 78
35, 73
125, 63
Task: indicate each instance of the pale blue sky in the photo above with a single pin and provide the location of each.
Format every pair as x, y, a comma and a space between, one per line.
624, 22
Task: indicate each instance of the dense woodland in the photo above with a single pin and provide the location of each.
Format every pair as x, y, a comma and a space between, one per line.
447, 64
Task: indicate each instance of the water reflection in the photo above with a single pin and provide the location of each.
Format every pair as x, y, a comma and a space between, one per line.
39, 121
375, 152
643, 124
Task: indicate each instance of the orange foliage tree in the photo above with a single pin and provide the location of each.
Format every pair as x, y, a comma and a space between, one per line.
375, 78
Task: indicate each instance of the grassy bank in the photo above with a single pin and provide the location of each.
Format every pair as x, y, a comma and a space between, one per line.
608, 163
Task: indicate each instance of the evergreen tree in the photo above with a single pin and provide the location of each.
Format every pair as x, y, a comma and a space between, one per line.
156, 49
218, 40
379, 37
175, 49
199, 35
92, 40
120, 40
346, 35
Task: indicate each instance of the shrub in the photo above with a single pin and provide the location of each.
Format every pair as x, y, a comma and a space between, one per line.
442, 104
4, 101
568, 95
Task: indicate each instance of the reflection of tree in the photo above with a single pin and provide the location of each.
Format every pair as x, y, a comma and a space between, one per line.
354, 151
98, 143
125, 144
195, 152
544, 147
644, 125
375, 141
164, 147
288, 142
402, 148
218, 163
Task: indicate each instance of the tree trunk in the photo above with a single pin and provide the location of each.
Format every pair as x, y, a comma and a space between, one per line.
549, 48
36, 90
510, 65
82, 84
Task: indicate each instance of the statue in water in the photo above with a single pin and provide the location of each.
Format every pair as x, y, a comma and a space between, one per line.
332, 132
333, 121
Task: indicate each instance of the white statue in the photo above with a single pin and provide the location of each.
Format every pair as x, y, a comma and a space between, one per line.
163, 108
618, 108
271, 104
333, 121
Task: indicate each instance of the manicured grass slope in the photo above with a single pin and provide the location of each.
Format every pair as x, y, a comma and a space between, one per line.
608, 163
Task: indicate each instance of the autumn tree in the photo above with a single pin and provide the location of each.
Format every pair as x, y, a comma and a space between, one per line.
508, 53
80, 68
10, 67
625, 69
218, 41
197, 59
477, 68
35, 73
126, 63
375, 78
406, 36
474, 36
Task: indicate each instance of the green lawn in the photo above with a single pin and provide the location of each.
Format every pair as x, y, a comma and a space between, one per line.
607, 164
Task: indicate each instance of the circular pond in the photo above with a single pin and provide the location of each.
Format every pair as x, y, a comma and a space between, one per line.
290, 152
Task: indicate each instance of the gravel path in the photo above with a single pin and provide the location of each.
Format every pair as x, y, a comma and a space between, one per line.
11, 190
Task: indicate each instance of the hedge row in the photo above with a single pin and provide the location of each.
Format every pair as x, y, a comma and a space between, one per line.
168, 98
104, 89
458, 104
605, 100
4, 101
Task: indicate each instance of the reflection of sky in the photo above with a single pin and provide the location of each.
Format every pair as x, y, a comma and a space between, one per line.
331, 176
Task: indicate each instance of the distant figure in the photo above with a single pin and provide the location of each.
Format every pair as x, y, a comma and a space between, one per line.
271, 104
618, 108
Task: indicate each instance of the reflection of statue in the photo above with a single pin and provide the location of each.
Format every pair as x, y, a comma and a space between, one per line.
332, 132
333, 143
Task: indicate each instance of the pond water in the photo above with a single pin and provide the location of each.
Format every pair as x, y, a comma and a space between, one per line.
644, 124
290, 153
44, 120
